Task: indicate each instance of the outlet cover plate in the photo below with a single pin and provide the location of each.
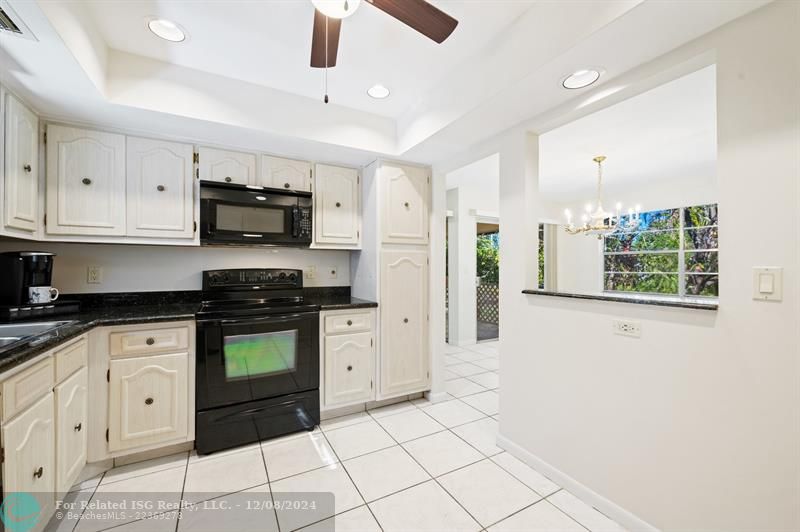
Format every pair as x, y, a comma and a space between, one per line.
627, 328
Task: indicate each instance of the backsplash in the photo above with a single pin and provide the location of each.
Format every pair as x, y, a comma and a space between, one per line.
133, 268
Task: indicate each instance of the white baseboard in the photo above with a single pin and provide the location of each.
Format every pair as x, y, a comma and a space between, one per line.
435, 397
587, 495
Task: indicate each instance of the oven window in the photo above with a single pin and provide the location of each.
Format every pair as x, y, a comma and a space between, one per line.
249, 219
259, 355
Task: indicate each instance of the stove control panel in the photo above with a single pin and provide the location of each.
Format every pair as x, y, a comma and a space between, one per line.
252, 279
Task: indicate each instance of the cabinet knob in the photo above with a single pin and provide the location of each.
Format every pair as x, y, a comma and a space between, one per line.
161, 188
228, 179
27, 168
150, 341
349, 323
148, 401
78, 427
349, 368
405, 320
86, 181
406, 205
338, 204
38, 473
286, 185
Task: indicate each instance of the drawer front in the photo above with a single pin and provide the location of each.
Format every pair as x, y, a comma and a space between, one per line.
149, 341
347, 323
71, 359
27, 387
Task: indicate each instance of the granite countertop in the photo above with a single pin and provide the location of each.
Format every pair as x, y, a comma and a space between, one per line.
84, 321
696, 304
148, 307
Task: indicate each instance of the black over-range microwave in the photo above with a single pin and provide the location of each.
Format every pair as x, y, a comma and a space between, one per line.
253, 215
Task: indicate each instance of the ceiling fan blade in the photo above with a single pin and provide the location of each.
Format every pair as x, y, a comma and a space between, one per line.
318, 40
420, 15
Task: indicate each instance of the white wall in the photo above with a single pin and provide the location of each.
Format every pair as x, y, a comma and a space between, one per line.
156, 268
695, 425
579, 263
474, 187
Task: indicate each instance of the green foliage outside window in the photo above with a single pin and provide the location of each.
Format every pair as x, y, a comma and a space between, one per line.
488, 251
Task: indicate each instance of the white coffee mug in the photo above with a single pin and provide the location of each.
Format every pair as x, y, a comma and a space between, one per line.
42, 294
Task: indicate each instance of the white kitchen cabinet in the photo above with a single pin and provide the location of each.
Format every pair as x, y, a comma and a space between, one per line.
148, 401
85, 182
227, 166
349, 369
337, 207
21, 194
406, 198
404, 355
71, 398
160, 186
287, 174
29, 446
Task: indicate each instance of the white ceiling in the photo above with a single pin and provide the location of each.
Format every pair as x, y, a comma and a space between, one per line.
661, 135
243, 80
269, 44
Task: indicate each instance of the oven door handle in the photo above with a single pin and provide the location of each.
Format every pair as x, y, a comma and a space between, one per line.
273, 318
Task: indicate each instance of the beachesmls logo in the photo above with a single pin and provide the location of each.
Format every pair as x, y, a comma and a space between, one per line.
20, 512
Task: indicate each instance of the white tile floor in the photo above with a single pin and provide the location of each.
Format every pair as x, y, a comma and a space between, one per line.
406, 467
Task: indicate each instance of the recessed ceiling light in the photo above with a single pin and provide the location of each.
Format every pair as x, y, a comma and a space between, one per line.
379, 92
581, 79
167, 30
336, 8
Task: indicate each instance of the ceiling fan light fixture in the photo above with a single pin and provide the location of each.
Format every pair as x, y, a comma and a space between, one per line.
378, 91
166, 29
336, 8
581, 78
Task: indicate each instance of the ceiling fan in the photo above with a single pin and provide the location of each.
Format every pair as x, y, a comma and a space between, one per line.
417, 14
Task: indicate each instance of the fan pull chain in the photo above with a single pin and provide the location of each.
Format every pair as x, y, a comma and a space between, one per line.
326, 59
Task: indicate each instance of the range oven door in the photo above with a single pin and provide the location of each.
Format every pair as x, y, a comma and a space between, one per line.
234, 214
248, 359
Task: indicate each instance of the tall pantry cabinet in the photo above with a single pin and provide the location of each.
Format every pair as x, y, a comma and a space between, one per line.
392, 268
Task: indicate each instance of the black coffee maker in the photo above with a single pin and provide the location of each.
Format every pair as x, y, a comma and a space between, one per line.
20, 270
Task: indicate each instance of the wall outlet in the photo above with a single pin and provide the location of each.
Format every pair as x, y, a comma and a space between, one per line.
333, 273
627, 328
94, 275
310, 272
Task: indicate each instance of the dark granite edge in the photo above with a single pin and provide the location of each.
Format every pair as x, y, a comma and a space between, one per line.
355, 303
694, 305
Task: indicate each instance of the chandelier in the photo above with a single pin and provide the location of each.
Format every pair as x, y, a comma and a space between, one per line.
596, 221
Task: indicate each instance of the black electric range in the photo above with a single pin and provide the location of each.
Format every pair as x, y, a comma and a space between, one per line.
257, 358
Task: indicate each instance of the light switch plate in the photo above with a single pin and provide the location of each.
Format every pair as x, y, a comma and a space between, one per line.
768, 284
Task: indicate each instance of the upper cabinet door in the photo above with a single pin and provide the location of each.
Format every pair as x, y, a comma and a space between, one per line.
160, 189
21, 167
337, 206
227, 166
285, 173
405, 204
85, 182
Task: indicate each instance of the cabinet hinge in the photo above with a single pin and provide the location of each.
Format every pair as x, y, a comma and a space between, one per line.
310, 173
370, 384
195, 226
44, 222
106, 434
3, 451
196, 158
371, 342
44, 137
358, 234
108, 375
197, 173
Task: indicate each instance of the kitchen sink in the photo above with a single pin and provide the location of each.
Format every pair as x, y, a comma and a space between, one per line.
17, 332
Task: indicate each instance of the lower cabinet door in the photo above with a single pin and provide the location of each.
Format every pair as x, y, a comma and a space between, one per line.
349, 369
148, 401
29, 466
405, 363
71, 415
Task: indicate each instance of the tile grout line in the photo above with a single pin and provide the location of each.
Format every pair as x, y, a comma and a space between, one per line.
269, 484
352, 482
